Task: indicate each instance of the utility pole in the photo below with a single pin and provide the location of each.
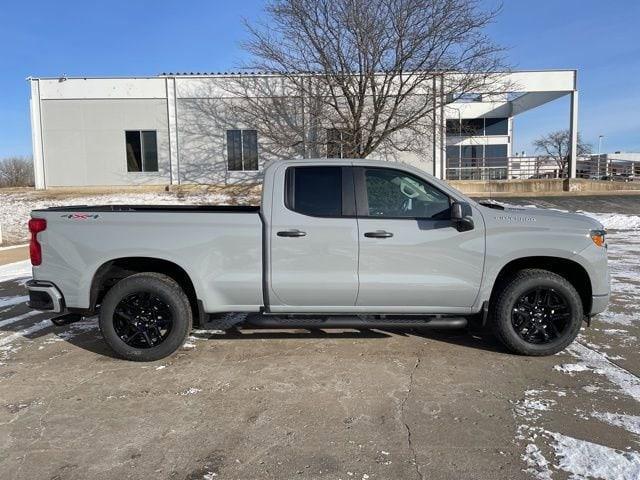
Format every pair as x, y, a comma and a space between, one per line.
600, 137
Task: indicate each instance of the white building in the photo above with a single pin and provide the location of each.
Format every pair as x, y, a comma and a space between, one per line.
151, 130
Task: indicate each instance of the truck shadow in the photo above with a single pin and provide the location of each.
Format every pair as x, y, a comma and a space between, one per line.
463, 338
93, 342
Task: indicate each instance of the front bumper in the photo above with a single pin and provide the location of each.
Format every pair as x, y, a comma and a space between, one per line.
45, 296
599, 304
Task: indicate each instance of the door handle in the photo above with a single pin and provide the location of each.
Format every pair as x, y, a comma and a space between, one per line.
379, 234
291, 233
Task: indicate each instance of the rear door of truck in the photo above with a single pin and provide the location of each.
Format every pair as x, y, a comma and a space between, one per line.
314, 239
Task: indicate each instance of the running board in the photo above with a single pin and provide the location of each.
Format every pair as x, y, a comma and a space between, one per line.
268, 321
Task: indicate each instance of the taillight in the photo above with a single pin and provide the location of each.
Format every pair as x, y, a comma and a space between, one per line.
36, 225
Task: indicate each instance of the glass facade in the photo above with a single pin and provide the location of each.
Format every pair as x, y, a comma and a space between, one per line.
477, 162
472, 127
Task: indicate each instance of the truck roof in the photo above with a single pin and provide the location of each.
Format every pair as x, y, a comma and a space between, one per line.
345, 161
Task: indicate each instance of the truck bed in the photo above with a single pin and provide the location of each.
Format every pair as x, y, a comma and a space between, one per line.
219, 247
155, 208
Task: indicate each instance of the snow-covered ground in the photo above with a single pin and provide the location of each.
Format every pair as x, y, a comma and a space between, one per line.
579, 456
590, 388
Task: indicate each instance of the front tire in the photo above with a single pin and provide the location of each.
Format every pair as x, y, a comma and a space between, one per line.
537, 313
145, 317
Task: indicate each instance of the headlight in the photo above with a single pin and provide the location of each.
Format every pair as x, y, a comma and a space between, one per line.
598, 237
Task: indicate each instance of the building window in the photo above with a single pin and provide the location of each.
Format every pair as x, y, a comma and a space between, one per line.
242, 150
471, 127
142, 150
496, 126
453, 162
495, 155
453, 127
336, 143
464, 97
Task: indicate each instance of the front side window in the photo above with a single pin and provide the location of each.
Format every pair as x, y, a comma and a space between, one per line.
395, 194
315, 191
142, 150
242, 150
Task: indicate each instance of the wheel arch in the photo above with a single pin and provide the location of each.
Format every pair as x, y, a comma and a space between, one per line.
112, 271
571, 270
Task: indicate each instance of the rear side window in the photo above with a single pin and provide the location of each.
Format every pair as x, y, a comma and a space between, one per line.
315, 191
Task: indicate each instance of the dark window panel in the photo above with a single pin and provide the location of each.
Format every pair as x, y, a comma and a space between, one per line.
134, 151
234, 149
496, 126
453, 127
334, 143
495, 155
250, 149
149, 151
471, 155
472, 126
453, 156
316, 190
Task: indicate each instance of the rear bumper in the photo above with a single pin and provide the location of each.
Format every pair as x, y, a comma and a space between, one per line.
599, 304
45, 296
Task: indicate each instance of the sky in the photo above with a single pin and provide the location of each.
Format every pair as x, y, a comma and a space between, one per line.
142, 37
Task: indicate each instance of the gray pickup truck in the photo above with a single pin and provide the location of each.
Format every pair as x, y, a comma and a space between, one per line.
335, 244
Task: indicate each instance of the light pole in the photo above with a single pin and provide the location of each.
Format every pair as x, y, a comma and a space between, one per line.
600, 137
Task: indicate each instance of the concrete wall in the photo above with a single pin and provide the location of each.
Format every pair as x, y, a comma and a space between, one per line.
84, 140
541, 186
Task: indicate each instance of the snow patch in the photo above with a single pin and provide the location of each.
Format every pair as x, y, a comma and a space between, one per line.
11, 320
628, 383
537, 465
571, 368
630, 423
14, 271
12, 301
190, 391
584, 459
41, 325
615, 221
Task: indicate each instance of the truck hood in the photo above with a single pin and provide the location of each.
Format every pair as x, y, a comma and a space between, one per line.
541, 217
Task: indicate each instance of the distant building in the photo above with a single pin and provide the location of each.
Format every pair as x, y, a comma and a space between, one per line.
149, 130
618, 164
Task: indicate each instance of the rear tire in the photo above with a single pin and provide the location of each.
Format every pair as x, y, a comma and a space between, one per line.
145, 317
537, 313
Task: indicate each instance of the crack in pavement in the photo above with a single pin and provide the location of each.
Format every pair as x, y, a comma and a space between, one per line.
406, 425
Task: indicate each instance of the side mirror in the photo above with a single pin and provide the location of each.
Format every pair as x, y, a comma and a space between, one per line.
456, 212
461, 216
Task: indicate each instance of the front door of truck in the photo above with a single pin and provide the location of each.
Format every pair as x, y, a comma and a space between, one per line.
313, 240
411, 253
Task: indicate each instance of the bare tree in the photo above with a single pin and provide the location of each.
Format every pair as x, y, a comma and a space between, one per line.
16, 172
363, 75
557, 146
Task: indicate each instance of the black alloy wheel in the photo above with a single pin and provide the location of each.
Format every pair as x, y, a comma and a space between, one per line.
541, 315
142, 320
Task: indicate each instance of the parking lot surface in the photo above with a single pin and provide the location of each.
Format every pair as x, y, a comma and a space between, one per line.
335, 404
